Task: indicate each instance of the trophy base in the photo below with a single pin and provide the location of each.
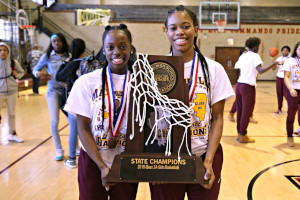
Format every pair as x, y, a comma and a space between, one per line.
156, 168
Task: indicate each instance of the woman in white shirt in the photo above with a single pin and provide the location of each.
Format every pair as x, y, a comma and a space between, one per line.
249, 64
209, 80
280, 86
292, 81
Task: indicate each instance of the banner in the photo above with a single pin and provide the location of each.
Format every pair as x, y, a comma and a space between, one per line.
92, 17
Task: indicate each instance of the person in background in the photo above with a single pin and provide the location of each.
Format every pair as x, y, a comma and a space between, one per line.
291, 69
56, 54
10, 70
250, 64
233, 108
67, 73
32, 59
280, 86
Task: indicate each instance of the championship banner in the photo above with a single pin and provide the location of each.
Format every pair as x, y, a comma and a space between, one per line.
92, 17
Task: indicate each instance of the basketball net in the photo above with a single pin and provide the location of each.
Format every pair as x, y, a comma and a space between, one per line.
169, 112
221, 25
30, 32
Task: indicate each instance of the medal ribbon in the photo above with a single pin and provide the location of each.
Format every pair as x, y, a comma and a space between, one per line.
298, 61
194, 76
116, 117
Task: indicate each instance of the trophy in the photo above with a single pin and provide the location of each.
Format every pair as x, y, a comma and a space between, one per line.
158, 139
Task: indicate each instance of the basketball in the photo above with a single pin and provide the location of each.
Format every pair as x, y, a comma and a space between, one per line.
273, 52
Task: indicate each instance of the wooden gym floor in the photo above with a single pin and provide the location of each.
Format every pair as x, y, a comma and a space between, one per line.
259, 171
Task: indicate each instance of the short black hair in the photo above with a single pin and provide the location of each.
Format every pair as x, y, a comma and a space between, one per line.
286, 47
252, 42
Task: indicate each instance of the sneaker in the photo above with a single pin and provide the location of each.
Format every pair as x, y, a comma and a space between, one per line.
77, 151
278, 112
297, 133
70, 163
290, 141
14, 138
252, 120
59, 155
231, 117
245, 139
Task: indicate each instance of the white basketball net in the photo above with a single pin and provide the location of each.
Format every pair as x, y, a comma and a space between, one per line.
221, 25
170, 111
30, 31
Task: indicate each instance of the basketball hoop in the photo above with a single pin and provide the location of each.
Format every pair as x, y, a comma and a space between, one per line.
221, 25
30, 31
29, 28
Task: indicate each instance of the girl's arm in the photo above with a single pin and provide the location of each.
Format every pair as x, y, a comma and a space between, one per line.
18, 72
41, 64
288, 84
214, 138
88, 142
263, 70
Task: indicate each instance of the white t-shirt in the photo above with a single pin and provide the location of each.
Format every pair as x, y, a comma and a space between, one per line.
220, 89
280, 60
247, 64
86, 99
292, 66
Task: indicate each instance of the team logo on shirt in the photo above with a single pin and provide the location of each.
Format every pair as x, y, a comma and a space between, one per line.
165, 76
97, 95
200, 105
296, 77
99, 116
121, 140
198, 128
102, 142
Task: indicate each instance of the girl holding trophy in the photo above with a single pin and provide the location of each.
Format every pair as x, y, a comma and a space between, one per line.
98, 100
209, 86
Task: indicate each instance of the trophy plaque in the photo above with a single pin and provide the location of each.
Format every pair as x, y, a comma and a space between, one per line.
144, 158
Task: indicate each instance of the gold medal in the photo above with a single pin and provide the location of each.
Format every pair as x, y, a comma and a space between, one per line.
112, 142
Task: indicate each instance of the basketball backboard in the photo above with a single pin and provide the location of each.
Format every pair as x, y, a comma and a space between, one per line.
21, 18
214, 13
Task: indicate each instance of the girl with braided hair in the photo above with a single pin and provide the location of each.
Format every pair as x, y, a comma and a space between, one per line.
98, 100
209, 89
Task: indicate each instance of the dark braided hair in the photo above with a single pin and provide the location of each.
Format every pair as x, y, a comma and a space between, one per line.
131, 60
252, 42
203, 62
